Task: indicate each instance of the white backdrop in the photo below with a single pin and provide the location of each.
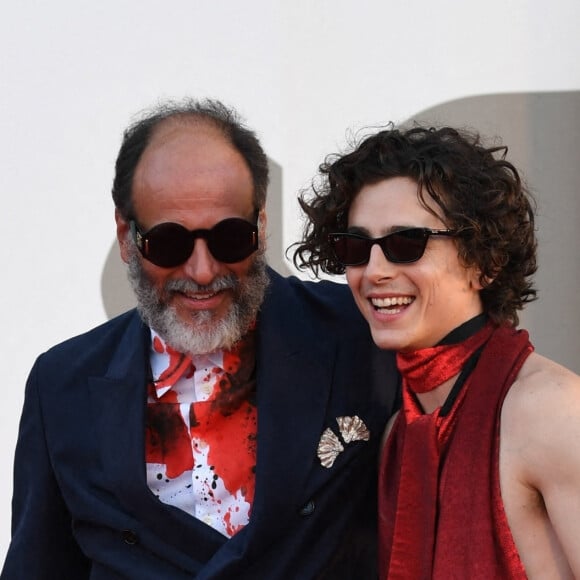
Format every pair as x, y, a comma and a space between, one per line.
301, 72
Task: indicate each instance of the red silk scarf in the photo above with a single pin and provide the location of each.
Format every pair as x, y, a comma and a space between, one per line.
440, 509
425, 369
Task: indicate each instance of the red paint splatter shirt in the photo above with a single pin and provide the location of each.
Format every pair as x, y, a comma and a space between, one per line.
200, 442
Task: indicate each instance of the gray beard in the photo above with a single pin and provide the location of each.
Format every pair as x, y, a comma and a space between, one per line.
203, 333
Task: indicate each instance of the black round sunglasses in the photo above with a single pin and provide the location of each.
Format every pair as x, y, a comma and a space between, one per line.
169, 244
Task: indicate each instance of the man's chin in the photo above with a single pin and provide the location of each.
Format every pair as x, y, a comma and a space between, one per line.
193, 318
207, 323
199, 332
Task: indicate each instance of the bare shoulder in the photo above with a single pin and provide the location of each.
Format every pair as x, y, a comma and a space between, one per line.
541, 414
542, 382
540, 467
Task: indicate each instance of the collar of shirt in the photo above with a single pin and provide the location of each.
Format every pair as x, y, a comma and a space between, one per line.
169, 367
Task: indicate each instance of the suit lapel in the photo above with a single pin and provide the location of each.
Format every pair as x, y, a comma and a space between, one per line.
292, 401
118, 405
294, 376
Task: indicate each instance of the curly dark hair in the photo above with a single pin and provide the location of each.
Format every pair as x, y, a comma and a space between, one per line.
481, 195
138, 135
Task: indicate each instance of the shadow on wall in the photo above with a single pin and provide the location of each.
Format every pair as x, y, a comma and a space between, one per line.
542, 131
116, 290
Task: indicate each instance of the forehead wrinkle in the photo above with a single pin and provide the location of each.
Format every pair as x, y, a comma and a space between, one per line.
186, 160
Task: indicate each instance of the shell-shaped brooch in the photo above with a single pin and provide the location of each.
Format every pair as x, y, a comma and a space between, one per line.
330, 446
353, 429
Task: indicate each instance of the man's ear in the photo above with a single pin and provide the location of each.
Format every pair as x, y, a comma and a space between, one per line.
262, 226
477, 281
123, 233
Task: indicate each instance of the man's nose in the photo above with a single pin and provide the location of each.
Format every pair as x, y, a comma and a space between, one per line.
201, 266
378, 266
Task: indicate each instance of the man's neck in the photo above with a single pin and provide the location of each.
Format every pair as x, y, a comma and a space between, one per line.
436, 398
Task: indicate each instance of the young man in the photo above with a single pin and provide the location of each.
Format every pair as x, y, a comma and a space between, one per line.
210, 433
480, 474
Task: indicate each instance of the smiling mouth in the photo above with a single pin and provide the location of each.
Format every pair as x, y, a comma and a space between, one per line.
199, 296
391, 305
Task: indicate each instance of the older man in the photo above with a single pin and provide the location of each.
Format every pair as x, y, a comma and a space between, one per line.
228, 428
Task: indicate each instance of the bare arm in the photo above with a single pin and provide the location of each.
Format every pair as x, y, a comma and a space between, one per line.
541, 440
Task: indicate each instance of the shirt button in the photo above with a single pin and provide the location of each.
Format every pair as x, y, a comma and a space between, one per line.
129, 537
307, 509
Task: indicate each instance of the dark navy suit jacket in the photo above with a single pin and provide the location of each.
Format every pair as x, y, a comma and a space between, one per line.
82, 508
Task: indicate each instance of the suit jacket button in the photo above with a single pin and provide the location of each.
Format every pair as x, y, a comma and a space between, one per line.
307, 509
129, 537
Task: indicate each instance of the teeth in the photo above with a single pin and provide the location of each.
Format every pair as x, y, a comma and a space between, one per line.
390, 302
200, 296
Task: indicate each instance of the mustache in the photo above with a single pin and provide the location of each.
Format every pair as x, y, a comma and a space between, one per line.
228, 282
